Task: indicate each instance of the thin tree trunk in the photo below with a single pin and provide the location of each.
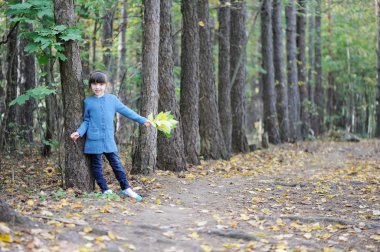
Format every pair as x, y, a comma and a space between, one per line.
94, 40
170, 151
319, 91
301, 60
224, 87
238, 75
2, 88
279, 70
377, 134
144, 156
269, 91
310, 68
330, 77
121, 80
26, 81
107, 39
212, 142
190, 80
76, 166
292, 72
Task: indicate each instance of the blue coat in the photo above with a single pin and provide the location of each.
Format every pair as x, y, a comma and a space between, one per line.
98, 122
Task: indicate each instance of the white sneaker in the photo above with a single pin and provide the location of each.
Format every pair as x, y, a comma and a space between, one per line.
109, 191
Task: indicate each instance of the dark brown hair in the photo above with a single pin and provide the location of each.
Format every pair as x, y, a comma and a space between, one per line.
97, 77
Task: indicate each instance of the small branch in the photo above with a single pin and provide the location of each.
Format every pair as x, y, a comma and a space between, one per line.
5, 40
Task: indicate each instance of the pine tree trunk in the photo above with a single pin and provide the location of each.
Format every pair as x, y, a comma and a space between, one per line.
269, 91
170, 151
238, 75
144, 156
292, 73
26, 81
107, 40
319, 91
224, 87
377, 134
212, 142
76, 165
190, 80
301, 60
8, 127
280, 79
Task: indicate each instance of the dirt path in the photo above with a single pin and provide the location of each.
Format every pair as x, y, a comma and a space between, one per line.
308, 197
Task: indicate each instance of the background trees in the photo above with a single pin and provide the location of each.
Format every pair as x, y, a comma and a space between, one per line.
212, 65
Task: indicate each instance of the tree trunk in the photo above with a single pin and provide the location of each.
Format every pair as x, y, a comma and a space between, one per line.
212, 142
190, 80
310, 68
77, 172
280, 81
269, 91
94, 40
121, 80
292, 73
8, 128
377, 134
8, 215
170, 151
144, 156
224, 87
330, 77
26, 81
238, 75
51, 109
301, 60
2, 88
107, 39
319, 91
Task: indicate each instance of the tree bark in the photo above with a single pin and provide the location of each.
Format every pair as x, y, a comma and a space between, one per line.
319, 91
190, 80
224, 87
77, 168
310, 68
8, 128
292, 73
107, 39
170, 151
377, 134
301, 60
279, 71
2, 88
212, 142
238, 75
26, 81
269, 91
144, 156
94, 40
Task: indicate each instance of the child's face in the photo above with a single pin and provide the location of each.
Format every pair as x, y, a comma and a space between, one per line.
98, 88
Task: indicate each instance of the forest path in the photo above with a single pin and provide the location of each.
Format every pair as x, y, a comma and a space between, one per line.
314, 196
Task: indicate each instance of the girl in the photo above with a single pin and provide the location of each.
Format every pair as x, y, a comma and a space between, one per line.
98, 125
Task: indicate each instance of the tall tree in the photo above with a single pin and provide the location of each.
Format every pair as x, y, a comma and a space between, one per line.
378, 70
279, 71
224, 85
8, 138
212, 142
238, 75
301, 60
292, 73
269, 91
144, 156
26, 80
2, 87
331, 96
107, 39
77, 172
319, 91
190, 80
170, 151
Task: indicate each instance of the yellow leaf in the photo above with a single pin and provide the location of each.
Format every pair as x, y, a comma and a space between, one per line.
375, 237
194, 235
244, 217
228, 245
201, 24
71, 225
158, 201
87, 230
30, 202
307, 235
111, 235
6, 238
128, 246
206, 248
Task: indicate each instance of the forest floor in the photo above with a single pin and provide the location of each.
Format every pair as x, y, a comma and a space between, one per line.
312, 196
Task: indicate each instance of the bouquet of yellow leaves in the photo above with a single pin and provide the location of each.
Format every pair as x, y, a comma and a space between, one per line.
164, 122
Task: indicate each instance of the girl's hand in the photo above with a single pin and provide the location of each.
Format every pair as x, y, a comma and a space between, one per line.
74, 136
148, 123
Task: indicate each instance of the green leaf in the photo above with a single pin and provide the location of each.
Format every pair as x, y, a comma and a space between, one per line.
32, 48
40, 92
20, 100
71, 34
21, 6
60, 56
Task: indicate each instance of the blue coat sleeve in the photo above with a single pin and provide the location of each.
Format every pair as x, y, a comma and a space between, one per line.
127, 112
86, 120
